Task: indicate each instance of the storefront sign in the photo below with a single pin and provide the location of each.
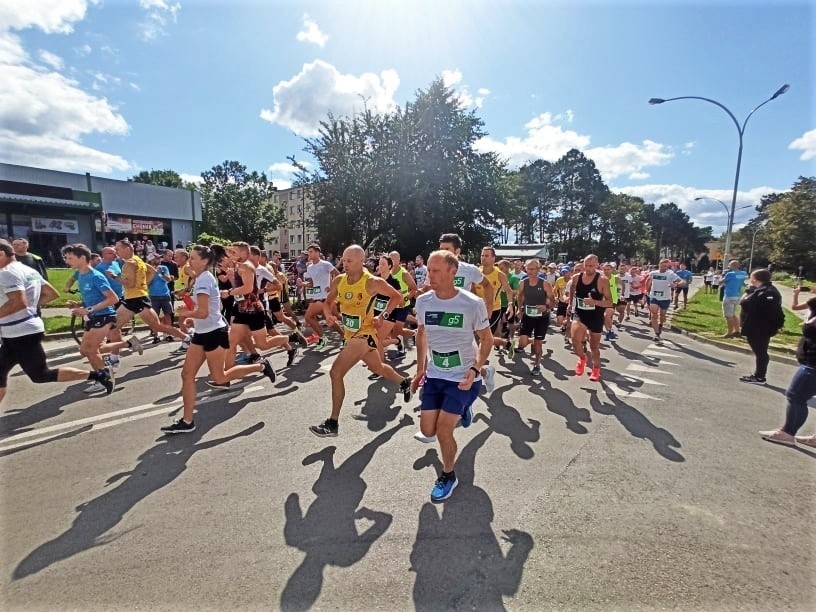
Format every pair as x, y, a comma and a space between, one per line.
54, 226
119, 225
148, 226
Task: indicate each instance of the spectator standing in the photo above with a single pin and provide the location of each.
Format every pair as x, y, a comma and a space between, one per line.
733, 286
762, 317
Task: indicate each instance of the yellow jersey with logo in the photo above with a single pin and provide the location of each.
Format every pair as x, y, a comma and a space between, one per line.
560, 288
184, 280
139, 288
356, 307
493, 277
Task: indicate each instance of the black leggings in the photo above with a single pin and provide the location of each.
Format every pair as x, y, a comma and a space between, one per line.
759, 344
27, 351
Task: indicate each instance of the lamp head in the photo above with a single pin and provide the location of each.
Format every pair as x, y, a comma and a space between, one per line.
654, 101
780, 91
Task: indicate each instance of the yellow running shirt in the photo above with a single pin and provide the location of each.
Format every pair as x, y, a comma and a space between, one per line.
356, 307
139, 288
493, 277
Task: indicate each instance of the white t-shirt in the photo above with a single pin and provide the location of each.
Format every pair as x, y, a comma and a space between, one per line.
467, 275
320, 274
626, 281
19, 277
206, 284
449, 326
660, 289
420, 272
716, 279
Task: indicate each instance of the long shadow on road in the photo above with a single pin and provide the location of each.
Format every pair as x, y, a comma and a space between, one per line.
558, 402
326, 532
507, 421
457, 559
158, 466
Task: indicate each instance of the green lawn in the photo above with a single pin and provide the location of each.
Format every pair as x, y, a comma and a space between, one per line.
58, 277
54, 325
704, 316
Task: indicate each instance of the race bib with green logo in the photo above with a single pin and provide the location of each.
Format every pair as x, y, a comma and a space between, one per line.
380, 304
445, 319
581, 305
446, 361
312, 291
458, 281
532, 311
351, 322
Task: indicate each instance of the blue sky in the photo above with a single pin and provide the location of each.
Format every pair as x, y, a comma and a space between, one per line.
114, 86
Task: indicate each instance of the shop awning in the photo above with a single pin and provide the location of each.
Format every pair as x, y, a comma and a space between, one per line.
522, 251
14, 198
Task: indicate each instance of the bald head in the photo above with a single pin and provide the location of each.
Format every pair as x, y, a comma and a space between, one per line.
353, 258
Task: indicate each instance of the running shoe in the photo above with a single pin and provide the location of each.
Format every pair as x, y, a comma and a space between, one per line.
219, 386
114, 363
135, 344
657, 338
595, 375
423, 438
94, 386
755, 380
290, 356
241, 359
268, 371
580, 366
180, 349
327, 429
511, 348
180, 426
313, 339
321, 343
443, 487
405, 387
489, 379
155, 339
779, 436
535, 370
807, 440
297, 336
107, 381
467, 416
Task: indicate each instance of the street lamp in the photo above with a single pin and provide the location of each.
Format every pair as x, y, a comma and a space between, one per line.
740, 131
753, 241
727, 214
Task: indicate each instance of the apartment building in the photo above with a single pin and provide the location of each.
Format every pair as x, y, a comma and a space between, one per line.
297, 229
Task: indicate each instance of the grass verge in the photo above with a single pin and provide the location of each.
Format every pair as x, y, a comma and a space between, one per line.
58, 277
704, 317
57, 324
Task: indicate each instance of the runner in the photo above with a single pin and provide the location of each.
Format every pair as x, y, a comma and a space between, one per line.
110, 267
420, 270
210, 341
609, 313
492, 295
686, 276
408, 289
635, 292
562, 297
22, 290
160, 295
658, 288
355, 291
591, 296
624, 291
316, 280
535, 298
448, 361
383, 270
510, 317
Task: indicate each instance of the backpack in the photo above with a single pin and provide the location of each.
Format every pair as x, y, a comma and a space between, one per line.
777, 320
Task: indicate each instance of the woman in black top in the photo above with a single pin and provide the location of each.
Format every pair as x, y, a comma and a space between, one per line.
761, 318
803, 385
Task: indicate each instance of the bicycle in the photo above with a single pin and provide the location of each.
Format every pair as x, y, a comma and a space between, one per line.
77, 325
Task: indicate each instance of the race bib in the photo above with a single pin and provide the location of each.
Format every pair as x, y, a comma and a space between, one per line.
351, 322
446, 361
581, 305
380, 304
311, 291
657, 294
445, 319
459, 281
532, 311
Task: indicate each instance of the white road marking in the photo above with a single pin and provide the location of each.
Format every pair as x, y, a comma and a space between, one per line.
634, 367
655, 353
619, 392
633, 379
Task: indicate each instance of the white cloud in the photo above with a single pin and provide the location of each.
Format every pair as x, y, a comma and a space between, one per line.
483, 91
44, 114
319, 88
85, 50
191, 178
135, 86
549, 141
281, 183
687, 148
286, 167
52, 60
158, 14
452, 78
311, 33
639, 176
702, 212
51, 16
806, 143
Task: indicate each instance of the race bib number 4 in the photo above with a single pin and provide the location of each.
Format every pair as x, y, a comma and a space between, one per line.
532, 311
445, 319
312, 290
446, 361
351, 322
583, 305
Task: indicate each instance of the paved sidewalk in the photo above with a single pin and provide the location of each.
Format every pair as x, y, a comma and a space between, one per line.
787, 299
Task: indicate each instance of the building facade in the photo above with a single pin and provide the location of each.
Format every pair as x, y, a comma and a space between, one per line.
297, 229
52, 209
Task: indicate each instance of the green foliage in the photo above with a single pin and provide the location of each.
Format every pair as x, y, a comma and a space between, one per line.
237, 204
791, 226
208, 239
164, 178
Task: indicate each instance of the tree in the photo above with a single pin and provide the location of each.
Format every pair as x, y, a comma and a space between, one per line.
791, 226
237, 204
164, 178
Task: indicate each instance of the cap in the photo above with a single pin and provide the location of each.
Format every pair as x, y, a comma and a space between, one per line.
552, 265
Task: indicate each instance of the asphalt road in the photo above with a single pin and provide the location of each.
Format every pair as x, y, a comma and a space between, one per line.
648, 491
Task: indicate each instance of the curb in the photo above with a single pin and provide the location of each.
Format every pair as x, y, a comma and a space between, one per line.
774, 355
55, 336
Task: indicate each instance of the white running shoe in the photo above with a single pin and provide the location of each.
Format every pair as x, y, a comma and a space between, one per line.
489, 379
93, 387
424, 439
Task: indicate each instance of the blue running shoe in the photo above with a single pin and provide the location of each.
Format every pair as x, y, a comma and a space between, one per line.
443, 488
241, 359
467, 417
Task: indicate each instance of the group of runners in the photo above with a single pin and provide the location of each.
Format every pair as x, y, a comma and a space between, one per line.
233, 299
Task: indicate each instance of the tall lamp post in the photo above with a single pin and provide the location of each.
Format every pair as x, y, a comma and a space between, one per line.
753, 241
741, 132
729, 216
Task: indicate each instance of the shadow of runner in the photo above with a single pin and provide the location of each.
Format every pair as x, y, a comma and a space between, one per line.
457, 559
560, 403
327, 532
158, 466
378, 408
507, 421
636, 423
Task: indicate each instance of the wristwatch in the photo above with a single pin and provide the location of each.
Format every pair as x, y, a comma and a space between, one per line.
477, 370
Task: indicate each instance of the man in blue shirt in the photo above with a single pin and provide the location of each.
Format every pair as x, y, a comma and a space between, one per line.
159, 291
733, 287
686, 276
